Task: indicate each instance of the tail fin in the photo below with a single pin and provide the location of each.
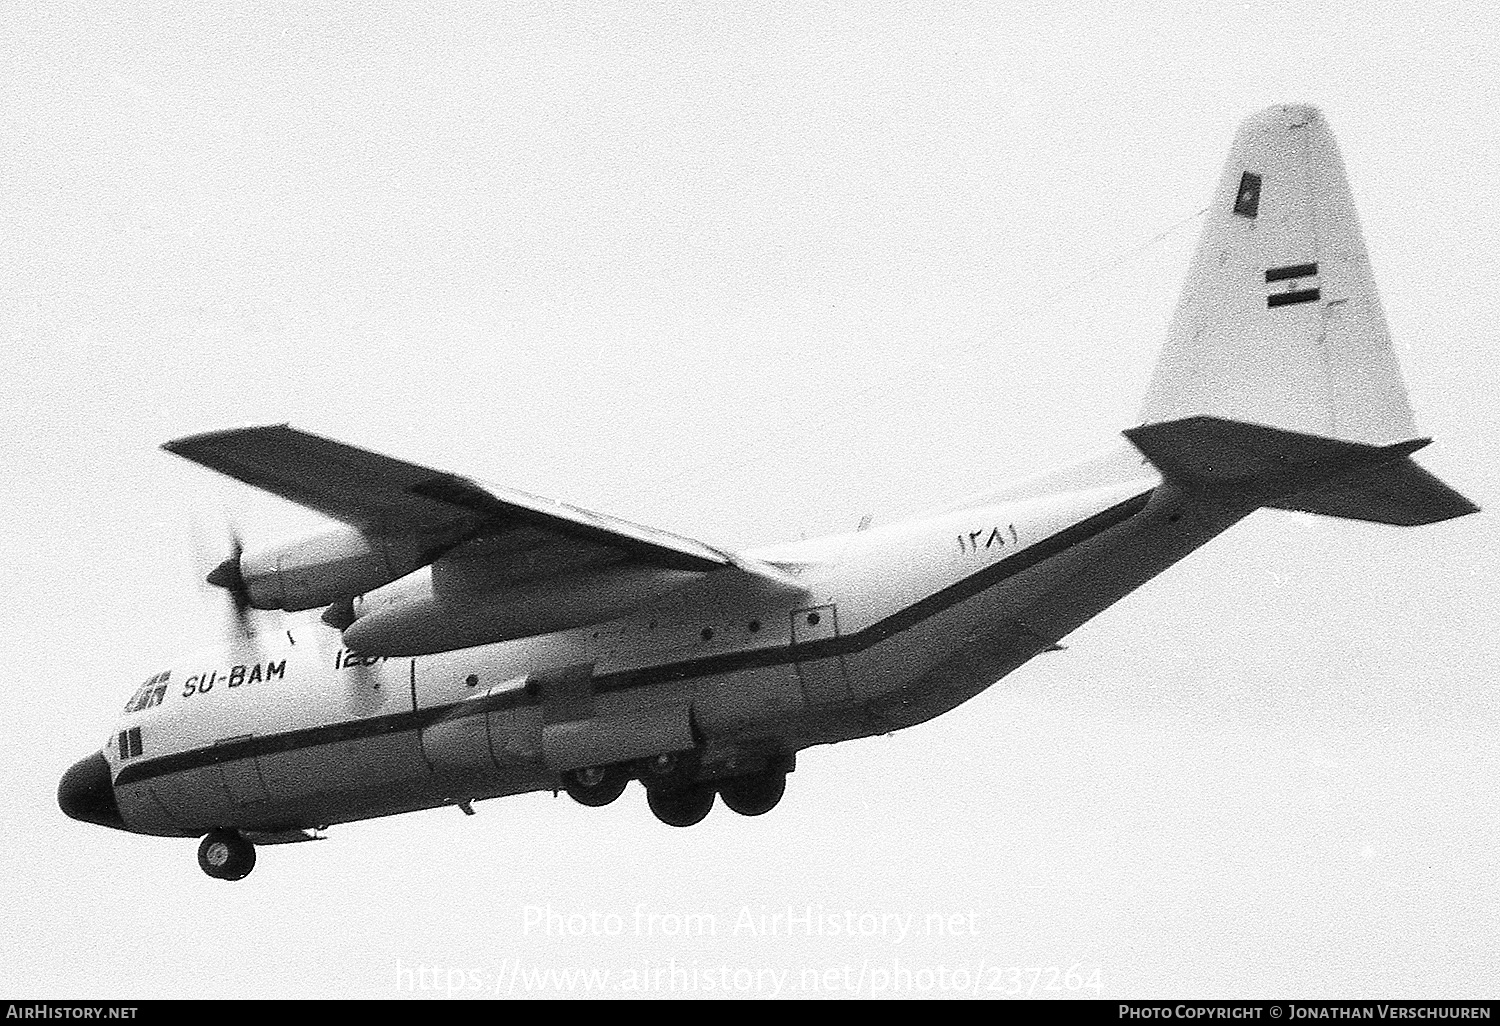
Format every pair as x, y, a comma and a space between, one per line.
1279, 322
1278, 385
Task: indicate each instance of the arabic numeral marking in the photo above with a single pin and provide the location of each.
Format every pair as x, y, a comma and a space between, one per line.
969, 543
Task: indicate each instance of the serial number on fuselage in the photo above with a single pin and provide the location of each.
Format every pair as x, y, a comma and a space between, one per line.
237, 675
969, 544
347, 658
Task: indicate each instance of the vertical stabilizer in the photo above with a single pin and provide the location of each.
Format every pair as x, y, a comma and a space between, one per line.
1279, 323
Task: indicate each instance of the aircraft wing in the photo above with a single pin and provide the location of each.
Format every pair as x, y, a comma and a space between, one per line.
381, 495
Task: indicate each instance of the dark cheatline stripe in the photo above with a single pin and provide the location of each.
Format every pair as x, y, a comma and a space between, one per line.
621, 680
323, 734
1288, 298
877, 632
1290, 271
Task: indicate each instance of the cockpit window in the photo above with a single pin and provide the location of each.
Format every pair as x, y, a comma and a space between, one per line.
150, 693
130, 743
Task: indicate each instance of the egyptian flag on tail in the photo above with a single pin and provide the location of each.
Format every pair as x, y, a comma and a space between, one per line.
1294, 283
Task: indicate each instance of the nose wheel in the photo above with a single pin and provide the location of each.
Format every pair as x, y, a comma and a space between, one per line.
225, 855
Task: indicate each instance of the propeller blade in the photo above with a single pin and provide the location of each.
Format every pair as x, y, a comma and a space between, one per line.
227, 575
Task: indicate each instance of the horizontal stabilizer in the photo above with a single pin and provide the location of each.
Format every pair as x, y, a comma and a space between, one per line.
1239, 464
1396, 493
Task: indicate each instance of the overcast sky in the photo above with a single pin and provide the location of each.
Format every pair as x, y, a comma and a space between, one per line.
747, 275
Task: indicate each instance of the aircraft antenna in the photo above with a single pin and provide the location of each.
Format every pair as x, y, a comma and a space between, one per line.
921, 361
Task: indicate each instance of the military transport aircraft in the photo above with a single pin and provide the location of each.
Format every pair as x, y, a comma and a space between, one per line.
477, 641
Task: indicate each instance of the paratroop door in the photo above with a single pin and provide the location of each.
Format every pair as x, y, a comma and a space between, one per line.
815, 633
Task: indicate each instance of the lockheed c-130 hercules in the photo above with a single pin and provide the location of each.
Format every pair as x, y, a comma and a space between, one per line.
477, 641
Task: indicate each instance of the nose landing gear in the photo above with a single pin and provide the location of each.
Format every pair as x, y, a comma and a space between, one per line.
225, 855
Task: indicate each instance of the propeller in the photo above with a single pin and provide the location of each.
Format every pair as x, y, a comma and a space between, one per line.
219, 575
227, 575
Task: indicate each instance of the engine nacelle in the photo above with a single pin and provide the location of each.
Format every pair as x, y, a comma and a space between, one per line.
443, 608
332, 565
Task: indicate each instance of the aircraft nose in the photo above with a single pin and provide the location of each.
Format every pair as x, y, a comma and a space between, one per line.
86, 793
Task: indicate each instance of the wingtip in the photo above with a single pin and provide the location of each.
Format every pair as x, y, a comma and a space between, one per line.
181, 446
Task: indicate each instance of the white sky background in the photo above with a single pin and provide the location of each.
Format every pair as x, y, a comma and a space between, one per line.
746, 276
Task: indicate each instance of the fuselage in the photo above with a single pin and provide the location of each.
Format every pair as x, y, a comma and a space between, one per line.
858, 634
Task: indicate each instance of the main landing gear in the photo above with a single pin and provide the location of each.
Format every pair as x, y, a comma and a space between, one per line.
225, 855
674, 791
754, 795
596, 786
681, 807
